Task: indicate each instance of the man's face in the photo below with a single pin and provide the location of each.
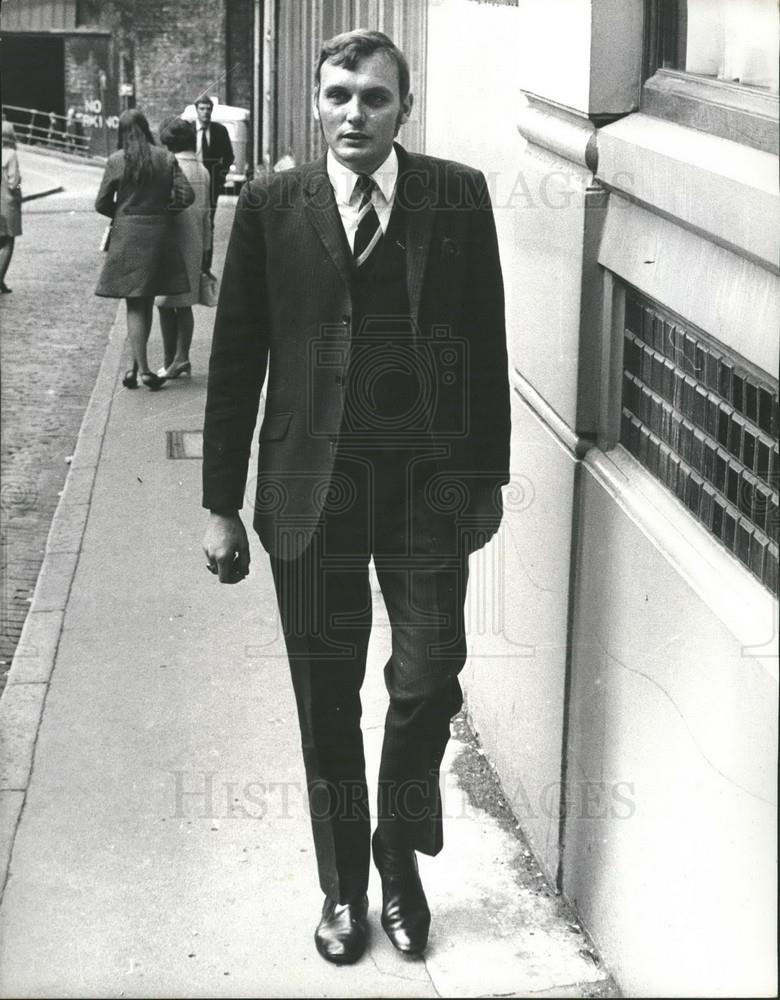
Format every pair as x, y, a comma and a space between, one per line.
204, 113
361, 111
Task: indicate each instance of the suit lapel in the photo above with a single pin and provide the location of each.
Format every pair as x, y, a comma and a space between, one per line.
322, 212
414, 192
415, 195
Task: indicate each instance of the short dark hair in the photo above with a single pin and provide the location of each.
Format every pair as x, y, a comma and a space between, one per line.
203, 99
178, 135
352, 47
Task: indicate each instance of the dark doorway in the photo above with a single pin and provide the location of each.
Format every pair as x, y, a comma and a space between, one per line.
33, 72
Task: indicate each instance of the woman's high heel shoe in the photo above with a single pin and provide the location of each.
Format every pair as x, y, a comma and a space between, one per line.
152, 381
130, 380
175, 369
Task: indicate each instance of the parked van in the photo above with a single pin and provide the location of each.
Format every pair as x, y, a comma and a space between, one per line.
236, 121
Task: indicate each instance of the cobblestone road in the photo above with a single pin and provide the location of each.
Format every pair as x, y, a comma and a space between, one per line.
53, 333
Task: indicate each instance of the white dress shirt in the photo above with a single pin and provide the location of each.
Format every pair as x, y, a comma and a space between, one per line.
199, 146
343, 182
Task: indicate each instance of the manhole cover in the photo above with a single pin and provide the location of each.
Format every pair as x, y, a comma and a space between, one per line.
184, 444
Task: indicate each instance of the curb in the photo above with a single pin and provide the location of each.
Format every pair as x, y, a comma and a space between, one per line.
42, 194
24, 698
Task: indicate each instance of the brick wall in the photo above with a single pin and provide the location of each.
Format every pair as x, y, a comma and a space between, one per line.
179, 54
240, 41
85, 57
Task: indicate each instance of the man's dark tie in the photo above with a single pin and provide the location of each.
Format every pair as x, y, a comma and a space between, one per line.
368, 235
204, 147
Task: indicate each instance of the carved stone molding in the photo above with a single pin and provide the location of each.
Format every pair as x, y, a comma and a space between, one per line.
572, 136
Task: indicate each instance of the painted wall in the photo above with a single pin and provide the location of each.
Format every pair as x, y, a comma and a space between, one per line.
471, 100
517, 620
544, 239
88, 61
538, 197
514, 681
660, 728
582, 55
673, 730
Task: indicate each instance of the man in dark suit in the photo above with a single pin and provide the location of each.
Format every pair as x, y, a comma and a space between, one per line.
368, 285
215, 152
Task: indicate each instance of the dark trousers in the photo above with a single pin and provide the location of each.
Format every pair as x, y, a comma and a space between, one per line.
377, 507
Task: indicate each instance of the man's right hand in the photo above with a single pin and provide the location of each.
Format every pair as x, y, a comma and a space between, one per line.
227, 547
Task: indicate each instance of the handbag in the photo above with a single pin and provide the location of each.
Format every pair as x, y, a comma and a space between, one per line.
208, 292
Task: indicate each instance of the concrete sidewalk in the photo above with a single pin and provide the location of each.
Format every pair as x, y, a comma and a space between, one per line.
152, 804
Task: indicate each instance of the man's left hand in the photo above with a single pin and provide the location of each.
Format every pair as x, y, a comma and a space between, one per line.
227, 547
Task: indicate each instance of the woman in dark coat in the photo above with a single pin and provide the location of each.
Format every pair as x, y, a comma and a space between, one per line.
142, 190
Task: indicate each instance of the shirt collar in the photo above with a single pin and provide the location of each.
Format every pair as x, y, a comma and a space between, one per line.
343, 179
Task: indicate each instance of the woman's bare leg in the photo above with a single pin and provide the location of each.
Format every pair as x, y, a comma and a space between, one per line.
170, 328
139, 325
6, 252
186, 324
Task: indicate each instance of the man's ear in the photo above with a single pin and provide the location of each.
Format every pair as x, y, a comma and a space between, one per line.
315, 109
405, 113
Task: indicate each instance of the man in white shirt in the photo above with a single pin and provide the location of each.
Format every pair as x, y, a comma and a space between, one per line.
214, 150
368, 285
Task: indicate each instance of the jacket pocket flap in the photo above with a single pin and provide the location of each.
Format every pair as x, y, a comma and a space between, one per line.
274, 426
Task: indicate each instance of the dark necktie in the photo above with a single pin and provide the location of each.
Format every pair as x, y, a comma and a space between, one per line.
368, 235
204, 146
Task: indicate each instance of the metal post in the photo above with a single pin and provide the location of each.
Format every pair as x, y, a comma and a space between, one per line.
102, 81
257, 107
269, 32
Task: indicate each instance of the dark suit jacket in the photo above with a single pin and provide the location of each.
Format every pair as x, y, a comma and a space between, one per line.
219, 159
286, 298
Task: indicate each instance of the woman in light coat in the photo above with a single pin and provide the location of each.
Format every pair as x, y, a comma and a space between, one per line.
143, 189
10, 203
193, 235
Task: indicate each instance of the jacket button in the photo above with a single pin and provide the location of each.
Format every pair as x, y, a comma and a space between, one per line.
345, 319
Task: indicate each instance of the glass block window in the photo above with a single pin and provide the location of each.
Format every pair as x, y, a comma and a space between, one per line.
705, 421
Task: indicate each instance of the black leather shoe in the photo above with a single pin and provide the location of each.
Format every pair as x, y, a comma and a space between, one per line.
342, 932
406, 918
152, 381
